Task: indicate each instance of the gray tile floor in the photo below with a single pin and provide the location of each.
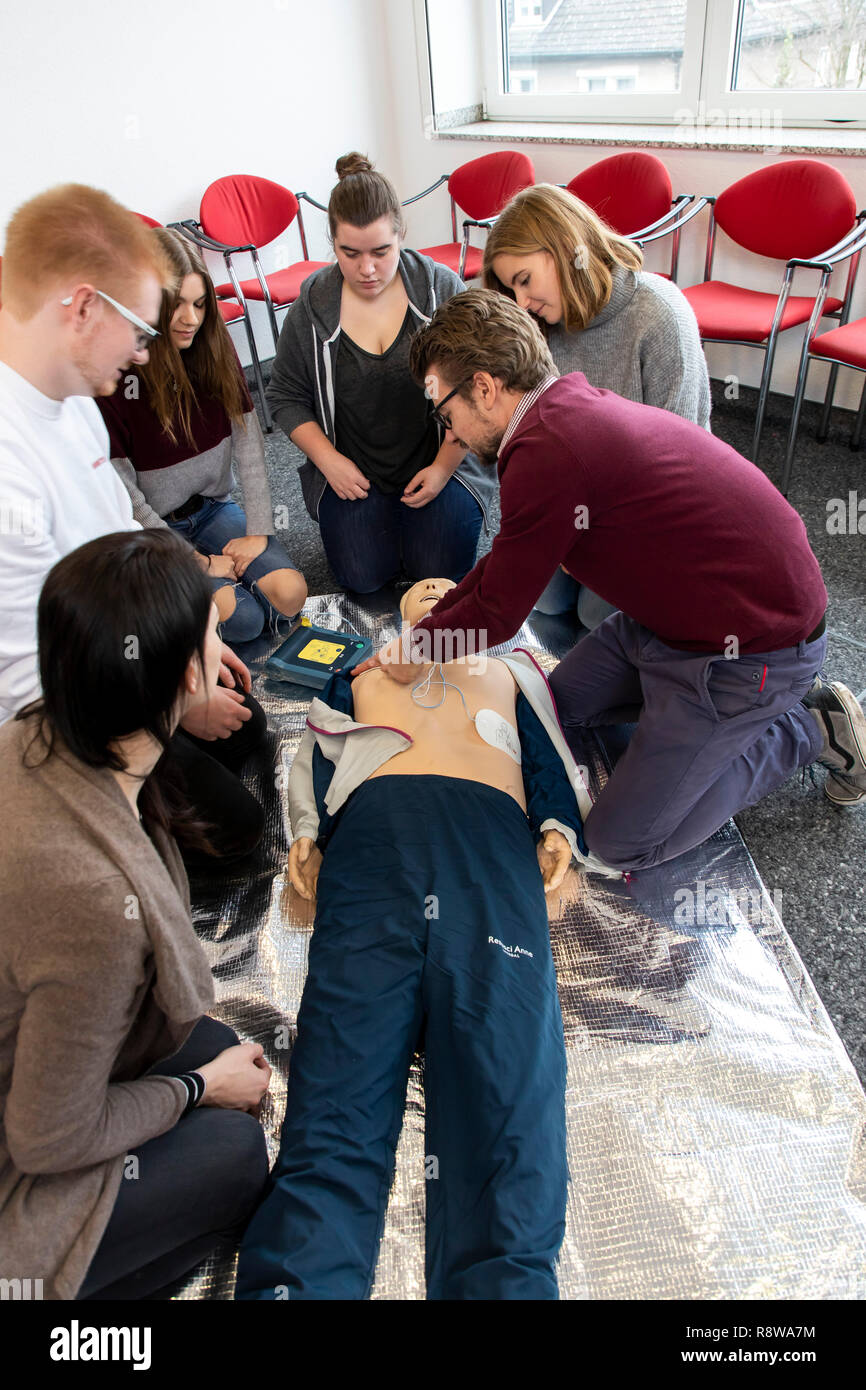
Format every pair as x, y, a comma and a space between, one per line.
810, 855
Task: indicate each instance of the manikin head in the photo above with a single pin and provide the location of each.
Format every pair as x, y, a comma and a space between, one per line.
417, 602
78, 271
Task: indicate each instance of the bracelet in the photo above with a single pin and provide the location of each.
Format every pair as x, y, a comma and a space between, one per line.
195, 1088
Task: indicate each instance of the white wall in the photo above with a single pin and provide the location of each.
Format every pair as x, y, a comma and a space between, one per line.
421, 159
154, 101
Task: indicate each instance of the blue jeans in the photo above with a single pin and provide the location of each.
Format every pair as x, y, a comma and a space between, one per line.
563, 594
713, 735
367, 541
218, 520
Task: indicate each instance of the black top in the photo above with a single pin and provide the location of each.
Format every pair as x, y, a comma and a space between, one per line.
382, 421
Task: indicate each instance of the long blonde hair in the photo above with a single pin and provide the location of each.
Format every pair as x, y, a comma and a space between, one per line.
585, 250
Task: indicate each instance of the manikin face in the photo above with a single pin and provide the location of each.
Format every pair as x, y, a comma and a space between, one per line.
534, 281
368, 256
188, 317
418, 601
108, 348
466, 424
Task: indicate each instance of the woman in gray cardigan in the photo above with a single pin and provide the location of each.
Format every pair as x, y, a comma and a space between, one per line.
626, 330
127, 1147
387, 491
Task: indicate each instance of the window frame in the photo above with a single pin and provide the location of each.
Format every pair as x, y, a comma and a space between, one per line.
703, 103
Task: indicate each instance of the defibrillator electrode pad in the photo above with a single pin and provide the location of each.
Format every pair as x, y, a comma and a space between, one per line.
493, 728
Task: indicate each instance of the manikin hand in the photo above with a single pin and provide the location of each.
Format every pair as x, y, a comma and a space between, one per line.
554, 857
305, 861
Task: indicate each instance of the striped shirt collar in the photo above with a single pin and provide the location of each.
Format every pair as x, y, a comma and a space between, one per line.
526, 402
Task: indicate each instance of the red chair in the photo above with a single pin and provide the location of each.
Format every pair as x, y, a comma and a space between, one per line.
242, 213
789, 211
148, 221
632, 193
482, 188
843, 346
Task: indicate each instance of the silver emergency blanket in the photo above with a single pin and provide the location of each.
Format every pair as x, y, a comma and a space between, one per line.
716, 1127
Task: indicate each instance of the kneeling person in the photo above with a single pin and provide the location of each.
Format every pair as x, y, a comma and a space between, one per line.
415, 814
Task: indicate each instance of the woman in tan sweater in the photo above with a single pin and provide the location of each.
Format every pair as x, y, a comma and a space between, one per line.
129, 1143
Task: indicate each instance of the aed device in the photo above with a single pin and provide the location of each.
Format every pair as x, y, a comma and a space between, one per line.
311, 655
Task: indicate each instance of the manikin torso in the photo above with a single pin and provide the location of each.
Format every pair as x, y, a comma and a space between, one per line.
446, 742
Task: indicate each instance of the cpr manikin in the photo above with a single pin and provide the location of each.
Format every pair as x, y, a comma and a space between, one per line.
421, 817
446, 741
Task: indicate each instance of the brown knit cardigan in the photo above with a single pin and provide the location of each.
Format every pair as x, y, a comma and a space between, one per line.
101, 976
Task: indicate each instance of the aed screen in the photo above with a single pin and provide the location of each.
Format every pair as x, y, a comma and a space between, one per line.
321, 653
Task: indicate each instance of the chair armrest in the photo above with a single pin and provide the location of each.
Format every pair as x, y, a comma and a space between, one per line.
193, 231
851, 244
683, 214
673, 211
307, 199
415, 196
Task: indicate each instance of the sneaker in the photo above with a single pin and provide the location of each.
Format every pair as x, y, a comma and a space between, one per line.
842, 722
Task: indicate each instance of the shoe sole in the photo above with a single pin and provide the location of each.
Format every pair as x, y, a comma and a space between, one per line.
845, 796
856, 719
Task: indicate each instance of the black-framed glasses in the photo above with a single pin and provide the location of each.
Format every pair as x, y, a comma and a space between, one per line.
436, 410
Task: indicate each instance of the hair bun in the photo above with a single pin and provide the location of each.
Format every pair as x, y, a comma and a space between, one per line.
353, 163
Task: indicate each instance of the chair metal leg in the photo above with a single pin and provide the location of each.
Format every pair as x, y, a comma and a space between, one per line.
858, 423
795, 419
824, 427
257, 371
770, 353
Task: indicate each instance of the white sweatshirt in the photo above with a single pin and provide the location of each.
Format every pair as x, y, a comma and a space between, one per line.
57, 490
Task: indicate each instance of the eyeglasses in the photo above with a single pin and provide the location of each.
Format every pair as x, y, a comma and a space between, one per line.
436, 410
142, 338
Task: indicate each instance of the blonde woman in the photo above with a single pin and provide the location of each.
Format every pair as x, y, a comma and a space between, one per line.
627, 331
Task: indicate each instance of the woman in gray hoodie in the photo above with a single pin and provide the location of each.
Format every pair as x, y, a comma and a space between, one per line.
388, 492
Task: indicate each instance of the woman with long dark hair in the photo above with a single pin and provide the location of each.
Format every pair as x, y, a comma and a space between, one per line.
129, 1147
177, 423
388, 490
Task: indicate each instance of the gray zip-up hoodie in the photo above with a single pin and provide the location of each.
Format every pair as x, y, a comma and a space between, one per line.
303, 381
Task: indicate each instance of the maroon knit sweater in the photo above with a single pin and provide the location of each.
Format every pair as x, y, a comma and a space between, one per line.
679, 530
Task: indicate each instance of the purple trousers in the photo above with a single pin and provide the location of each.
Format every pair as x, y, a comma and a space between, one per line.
713, 734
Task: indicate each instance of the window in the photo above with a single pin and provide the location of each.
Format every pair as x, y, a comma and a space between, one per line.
696, 63
524, 81
528, 12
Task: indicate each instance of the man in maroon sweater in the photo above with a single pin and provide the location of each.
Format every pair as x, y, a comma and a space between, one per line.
721, 630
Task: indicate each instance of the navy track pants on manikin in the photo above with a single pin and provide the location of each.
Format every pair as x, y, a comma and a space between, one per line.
431, 928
